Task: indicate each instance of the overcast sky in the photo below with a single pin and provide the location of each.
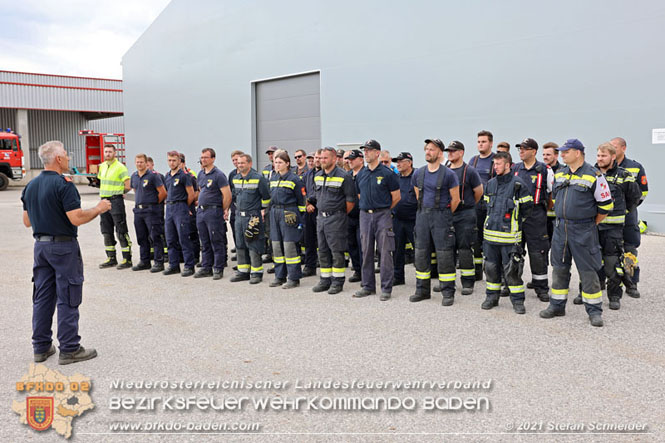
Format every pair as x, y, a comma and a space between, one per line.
72, 37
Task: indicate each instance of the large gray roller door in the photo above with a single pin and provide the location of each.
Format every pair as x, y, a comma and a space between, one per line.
288, 115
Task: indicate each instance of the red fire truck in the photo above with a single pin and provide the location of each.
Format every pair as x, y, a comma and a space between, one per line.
94, 153
12, 163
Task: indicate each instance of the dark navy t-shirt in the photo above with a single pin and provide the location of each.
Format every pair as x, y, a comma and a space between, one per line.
469, 182
210, 185
429, 188
47, 198
483, 167
375, 187
176, 184
145, 187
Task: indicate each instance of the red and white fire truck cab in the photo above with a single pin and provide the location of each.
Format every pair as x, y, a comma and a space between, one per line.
12, 163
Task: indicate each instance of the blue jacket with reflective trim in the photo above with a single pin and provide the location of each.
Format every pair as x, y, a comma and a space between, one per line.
581, 194
626, 195
251, 191
287, 190
508, 202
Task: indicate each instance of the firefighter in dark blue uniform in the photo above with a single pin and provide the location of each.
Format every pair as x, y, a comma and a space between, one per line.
149, 193
464, 217
404, 214
378, 188
232, 209
151, 168
632, 236
180, 194
268, 171
287, 204
300, 169
52, 207
355, 158
213, 204
538, 179
311, 213
626, 195
551, 159
252, 196
508, 203
437, 190
482, 162
335, 196
193, 229
582, 199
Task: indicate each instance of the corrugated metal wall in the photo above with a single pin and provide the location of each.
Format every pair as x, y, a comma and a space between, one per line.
56, 125
65, 126
7, 118
17, 90
42, 79
39, 97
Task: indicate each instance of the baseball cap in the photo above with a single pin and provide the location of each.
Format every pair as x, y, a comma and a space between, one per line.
572, 143
528, 143
437, 142
310, 155
371, 144
455, 145
403, 156
355, 153
340, 152
271, 149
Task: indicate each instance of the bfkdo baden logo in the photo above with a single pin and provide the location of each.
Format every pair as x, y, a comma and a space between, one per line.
53, 400
40, 412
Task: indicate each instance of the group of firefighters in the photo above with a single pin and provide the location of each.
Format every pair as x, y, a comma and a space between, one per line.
332, 207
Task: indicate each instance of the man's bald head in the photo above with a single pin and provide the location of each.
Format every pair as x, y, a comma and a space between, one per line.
618, 142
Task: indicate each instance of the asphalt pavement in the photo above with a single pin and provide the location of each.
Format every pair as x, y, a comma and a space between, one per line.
536, 379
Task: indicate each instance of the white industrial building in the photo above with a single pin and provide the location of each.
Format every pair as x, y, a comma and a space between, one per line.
42, 107
300, 74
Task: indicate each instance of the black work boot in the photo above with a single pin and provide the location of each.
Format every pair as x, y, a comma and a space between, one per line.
362, 292
109, 263
596, 320
615, 303
543, 296
141, 266
322, 286
44, 355
81, 354
490, 302
448, 300
201, 273
633, 292
239, 276
518, 307
553, 311
355, 277
277, 282
577, 300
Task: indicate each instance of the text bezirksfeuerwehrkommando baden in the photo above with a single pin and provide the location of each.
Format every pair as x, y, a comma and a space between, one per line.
302, 385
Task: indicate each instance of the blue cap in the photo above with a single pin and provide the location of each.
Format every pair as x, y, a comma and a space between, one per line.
572, 143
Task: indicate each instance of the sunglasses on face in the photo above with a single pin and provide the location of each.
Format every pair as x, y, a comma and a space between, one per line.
298, 156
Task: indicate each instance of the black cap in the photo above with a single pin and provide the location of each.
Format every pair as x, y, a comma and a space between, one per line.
340, 152
437, 142
354, 154
403, 156
528, 143
371, 144
455, 145
271, 149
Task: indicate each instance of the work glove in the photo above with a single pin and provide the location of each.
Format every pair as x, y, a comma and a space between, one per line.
629, 263
290, 218
252, 231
